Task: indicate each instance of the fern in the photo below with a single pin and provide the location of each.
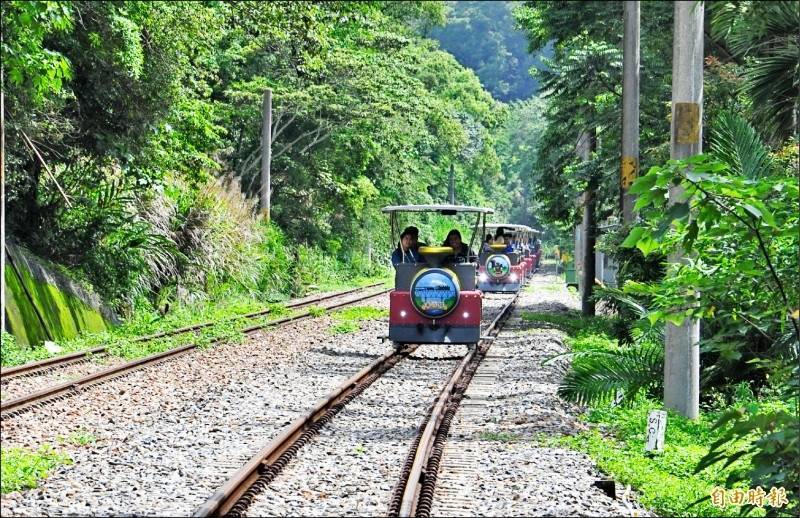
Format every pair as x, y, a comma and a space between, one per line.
626, 305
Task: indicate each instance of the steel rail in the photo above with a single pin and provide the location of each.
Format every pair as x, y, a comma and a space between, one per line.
67, 359
413, 485
53, 391
233, 497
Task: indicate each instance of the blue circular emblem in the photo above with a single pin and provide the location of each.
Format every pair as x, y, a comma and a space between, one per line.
434, 292
498, 266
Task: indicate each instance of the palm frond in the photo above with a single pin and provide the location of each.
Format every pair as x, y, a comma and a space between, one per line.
737, 144
622, 299
598, 376
765, 35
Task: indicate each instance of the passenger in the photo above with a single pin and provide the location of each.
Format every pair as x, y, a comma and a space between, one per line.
406, 251
499, 236
500, 239
487, 245
414, 231
461, 252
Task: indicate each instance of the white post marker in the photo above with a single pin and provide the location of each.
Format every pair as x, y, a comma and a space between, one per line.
656, 426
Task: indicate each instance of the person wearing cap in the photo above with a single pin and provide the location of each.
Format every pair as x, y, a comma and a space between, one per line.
407, 250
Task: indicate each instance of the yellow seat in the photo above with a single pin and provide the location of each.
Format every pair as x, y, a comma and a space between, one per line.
497, 248
436, 250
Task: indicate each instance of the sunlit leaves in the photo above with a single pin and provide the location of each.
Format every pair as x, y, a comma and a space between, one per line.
27, 62
733, 227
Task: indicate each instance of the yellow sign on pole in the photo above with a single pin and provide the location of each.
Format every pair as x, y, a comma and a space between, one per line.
629, 171
687, 123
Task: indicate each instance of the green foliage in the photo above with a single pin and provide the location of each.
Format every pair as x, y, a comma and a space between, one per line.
600, 369
737, 144
360, 313
11, 352
164, 97
742, 227
343, 328
737, 222
581, 84
316, 311
22, 468
666, 481
517, 147
764, 36
598, 376
765, 432
575, 325
78, 438
27, 64
482, 36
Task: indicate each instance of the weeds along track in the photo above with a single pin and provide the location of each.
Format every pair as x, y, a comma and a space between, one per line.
358, 448
42, 367
39, 382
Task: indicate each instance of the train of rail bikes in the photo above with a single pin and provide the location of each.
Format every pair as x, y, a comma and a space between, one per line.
503, 267
437, 297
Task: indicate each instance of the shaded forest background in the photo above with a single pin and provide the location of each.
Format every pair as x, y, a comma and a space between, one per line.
483, 36
133, 138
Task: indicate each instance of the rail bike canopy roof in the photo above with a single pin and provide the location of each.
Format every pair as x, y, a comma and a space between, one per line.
513, 227
446, 210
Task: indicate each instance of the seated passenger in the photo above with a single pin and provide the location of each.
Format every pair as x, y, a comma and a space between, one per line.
414, 231
500, 239
407, 250
461, 252
487, 245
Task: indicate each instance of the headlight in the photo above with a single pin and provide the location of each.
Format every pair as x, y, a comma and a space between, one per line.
483, 277
513, 277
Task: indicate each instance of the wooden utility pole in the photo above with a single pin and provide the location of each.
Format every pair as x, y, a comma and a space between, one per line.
629, 167
681, 350
586, 146
266, 154
451, 190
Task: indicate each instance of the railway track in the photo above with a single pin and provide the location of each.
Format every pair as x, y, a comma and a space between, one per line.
236, 496
11, 407
48, 364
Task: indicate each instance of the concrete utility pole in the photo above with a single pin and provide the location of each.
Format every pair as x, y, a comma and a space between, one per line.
586, 145
681, 350
451, 190
266, 153
2, 204
629, 167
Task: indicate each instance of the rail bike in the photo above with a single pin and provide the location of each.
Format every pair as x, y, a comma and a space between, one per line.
435, 297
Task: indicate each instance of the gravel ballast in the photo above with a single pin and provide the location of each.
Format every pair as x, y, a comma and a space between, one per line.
351, 467
492, 465
167, 436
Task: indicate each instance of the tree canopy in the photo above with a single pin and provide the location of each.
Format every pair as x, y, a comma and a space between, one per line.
483, 37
